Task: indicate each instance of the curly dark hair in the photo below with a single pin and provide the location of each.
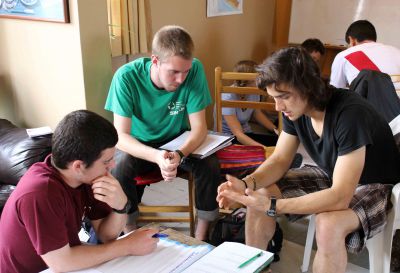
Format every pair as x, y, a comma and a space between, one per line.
82, 135
295, 67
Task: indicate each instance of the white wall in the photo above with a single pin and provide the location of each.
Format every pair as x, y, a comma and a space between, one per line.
49, 69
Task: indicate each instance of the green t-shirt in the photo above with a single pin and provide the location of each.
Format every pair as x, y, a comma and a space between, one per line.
157, 115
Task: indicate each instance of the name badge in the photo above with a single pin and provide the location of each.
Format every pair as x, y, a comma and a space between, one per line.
83, 235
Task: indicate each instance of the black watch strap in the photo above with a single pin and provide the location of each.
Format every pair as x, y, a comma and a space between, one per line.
125, 209
272, 209
179, 152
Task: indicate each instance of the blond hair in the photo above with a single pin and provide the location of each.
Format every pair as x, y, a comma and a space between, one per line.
172, 41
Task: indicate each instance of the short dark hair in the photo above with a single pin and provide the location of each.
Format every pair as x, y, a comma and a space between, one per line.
314, 44
361, 30
82, 135
295, 67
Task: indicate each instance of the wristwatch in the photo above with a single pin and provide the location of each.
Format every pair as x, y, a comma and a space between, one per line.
272, 209
125, 209
179, 152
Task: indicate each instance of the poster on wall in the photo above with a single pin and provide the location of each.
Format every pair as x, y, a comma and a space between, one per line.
224, 7
40, 10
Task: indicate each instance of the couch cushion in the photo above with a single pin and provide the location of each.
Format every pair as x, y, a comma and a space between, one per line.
18, 151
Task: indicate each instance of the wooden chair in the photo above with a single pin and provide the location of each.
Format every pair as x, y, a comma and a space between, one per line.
396, 82
151, 213
223, 84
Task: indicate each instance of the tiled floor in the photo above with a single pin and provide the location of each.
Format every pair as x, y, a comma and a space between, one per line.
294, 233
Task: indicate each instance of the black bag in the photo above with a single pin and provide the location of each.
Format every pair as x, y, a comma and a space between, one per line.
231, 228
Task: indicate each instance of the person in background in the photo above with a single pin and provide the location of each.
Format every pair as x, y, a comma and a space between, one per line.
315, 47
236, 120
357, 164
43, 216
363, 53
154, 100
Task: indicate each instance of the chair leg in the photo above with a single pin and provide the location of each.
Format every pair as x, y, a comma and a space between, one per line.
309, 244
388, 241
191, 205
375, 250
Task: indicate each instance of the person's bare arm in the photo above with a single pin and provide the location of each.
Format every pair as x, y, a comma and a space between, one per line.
262, 119
108, 190
79, 257
346, 176
268, 173
198, 132
130, 145
237, 130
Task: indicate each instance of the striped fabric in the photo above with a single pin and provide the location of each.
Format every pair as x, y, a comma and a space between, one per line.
232, 158
240, 157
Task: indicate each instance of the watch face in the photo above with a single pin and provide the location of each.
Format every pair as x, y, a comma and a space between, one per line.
271, 213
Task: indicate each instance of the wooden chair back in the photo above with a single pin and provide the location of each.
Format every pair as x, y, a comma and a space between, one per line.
396, 82
223, 84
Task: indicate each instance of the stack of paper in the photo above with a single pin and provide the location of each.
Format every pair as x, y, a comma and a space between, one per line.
213, 142
41, 131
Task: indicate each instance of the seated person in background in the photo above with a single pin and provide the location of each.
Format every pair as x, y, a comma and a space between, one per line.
364, 53
315, 47
357, 164
154, 100
42, 218
236, 120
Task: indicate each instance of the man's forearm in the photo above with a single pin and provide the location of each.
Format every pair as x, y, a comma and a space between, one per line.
111, 226
82, 256
269, 172
195, 139
134, 147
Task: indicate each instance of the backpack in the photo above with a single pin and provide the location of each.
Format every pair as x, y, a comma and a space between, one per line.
231, 228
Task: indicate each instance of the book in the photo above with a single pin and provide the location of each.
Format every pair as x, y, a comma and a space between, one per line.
213, 142
175, 257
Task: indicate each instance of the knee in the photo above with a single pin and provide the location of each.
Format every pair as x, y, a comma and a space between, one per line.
122, 158
328, 232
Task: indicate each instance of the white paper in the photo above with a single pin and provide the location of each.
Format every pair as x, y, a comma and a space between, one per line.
169, 257
211, 144
40, 131
227, 257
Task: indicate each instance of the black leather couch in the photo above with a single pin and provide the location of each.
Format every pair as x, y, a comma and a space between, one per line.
17, 153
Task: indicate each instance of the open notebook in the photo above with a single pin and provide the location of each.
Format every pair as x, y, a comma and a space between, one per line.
214, 141
174, 257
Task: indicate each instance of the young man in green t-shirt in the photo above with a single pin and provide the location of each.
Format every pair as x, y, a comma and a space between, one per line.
154, 100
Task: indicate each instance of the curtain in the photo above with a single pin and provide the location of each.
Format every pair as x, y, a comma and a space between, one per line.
129, 24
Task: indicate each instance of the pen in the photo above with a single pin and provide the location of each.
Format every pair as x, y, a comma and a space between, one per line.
159, 235
250, 260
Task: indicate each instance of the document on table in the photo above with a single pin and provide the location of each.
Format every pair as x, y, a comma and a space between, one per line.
174, 257
169, 257
228, 256
214, 141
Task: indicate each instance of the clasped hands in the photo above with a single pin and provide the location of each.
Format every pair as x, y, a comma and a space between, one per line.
233, 191
168, 163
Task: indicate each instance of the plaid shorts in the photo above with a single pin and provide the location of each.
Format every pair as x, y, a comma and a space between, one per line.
370, 202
